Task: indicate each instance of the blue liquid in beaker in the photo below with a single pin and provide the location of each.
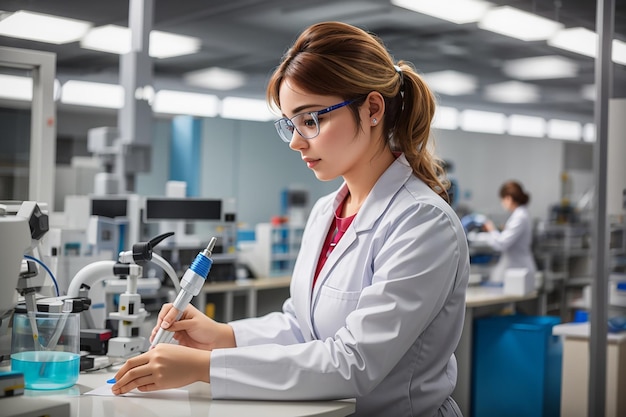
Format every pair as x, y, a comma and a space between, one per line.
47, 370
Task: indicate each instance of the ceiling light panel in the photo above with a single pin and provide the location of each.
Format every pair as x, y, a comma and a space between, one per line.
483, 121
180, 102
579, 40
85, 93
455, 11
246, 109
117, 40
589, 132
43, 28
215, 78
452, 83
519, 24
564, 129
522, 125
446, 118
540, 68
109, 38
168, 45
619, 52
512, 92
585, 42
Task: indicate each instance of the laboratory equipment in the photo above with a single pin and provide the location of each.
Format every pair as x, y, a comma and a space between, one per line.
168, 208
295, 205
11, 254
190, 286
473, 221
177, 213
193, 219
105, 270
51, 359
22, 224
131, 313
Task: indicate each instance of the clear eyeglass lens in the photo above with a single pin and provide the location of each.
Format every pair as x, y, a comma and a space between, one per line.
306, 124
285, 130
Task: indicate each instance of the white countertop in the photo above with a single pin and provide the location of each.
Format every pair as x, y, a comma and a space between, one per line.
197, 402
479, 296
583, 331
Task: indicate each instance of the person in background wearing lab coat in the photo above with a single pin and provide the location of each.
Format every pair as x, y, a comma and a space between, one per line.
377, 296
514, 242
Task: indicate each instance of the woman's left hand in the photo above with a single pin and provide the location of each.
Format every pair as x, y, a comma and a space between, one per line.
165, 366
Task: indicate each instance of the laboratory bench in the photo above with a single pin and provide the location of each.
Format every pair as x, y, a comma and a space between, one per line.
192, 400
248, 288
480, 301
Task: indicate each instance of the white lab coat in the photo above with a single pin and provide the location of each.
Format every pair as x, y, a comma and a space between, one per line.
514, 243
383, 320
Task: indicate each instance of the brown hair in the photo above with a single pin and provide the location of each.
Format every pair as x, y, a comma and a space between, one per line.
514, 190
334, 58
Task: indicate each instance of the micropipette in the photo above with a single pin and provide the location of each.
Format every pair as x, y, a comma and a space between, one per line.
190, 286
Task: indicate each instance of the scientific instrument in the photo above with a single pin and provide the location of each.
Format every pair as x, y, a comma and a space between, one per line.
25, 224
131, 313
190, 286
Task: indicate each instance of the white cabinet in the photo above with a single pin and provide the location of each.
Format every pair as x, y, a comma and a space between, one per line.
575, 371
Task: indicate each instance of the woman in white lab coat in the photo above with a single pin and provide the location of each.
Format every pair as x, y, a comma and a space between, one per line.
514, 242
378, 289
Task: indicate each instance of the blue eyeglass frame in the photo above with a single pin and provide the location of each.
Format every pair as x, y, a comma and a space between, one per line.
314, 114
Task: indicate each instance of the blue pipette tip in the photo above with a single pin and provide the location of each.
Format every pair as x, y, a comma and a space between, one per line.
111, 381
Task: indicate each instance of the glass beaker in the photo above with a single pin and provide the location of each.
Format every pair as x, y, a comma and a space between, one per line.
45, 347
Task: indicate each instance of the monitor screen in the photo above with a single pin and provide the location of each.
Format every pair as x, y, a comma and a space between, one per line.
109, 207
298, 198
183, 209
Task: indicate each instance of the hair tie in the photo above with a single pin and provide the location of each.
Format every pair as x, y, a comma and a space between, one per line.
399, 71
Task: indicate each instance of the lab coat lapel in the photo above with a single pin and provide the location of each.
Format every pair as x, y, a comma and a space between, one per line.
374, 206
344, 243
307, 261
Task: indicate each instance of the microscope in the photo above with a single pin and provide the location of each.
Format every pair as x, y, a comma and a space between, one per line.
22, 225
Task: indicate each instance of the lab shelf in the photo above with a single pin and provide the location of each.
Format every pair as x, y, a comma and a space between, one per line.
563, 254
275, 249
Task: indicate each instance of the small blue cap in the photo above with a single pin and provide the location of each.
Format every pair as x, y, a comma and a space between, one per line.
111, 381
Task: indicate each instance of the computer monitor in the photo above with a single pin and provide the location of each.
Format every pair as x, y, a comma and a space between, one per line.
167, 208
110, 207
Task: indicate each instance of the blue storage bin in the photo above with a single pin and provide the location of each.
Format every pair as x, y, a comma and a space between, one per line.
516, 367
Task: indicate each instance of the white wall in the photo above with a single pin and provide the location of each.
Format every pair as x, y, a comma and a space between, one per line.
247, 161
482, 162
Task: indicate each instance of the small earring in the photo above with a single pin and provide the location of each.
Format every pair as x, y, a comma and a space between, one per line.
374, 121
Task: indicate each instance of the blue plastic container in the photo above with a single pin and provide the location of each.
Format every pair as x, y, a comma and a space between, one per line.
516, 367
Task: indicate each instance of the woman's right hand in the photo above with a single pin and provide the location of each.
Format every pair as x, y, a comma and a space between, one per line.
194, 329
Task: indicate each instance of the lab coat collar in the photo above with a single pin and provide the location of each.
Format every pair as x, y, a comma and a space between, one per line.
378, 199
383, 192
376, 203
